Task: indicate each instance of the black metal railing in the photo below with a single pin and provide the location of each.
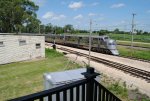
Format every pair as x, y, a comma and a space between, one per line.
87, 89
102, 94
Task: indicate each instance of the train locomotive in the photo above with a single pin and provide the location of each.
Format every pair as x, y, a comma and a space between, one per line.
102, 44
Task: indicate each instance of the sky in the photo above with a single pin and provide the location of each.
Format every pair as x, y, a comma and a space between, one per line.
105, 14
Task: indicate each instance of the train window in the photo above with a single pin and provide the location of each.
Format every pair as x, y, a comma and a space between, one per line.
100, 38
1, 44
22, 42
38, 45
112, 43
105, 38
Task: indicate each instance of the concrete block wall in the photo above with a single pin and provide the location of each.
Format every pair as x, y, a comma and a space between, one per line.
12, 51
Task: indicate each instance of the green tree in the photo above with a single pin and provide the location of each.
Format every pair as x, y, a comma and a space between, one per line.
15, 13
49, 28
32, 27
103, 32
68, 28
139, 32
145, 33
59, 30
116, 31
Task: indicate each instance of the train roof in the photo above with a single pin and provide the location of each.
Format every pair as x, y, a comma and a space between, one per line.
73, 35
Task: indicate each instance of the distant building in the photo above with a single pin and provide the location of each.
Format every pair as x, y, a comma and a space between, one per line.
14, 48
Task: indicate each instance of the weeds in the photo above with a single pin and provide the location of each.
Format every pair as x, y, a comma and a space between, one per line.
120, 89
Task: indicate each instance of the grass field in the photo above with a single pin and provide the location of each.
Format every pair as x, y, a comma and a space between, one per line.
127, 37
22, 78
141, 54
139, 44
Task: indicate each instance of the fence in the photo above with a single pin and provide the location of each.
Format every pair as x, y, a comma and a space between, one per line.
82, 90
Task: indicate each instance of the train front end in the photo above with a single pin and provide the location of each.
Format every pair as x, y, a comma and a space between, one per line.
112, 46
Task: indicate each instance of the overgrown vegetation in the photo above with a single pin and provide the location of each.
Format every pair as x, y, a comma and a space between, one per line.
120, 89
22, 78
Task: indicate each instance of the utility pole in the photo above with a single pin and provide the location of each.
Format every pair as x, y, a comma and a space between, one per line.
54, 44
39, 29
90, 43
96, 28
132, 30
54, 35
125, 30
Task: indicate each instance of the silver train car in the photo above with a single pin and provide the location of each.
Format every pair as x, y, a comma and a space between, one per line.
102, 44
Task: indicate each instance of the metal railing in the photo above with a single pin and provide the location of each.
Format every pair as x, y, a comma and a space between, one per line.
87, 89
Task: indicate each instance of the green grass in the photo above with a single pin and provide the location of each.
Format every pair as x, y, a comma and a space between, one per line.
127, 37
120, 89
23, 78
140, 54
139, 44
117, 89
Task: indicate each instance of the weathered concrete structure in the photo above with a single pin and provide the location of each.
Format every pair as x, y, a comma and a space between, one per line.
14, 48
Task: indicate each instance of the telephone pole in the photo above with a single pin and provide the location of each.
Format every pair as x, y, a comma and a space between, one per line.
90, 43
132, 30
39, 28
125, 30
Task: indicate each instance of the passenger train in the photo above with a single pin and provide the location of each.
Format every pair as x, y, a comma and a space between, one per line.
102, 44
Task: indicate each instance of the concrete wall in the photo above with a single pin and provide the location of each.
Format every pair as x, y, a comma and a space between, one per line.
11, 50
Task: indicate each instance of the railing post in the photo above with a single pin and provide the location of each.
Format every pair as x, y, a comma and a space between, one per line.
90, 75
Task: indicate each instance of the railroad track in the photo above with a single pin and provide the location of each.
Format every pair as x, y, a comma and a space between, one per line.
148, 61
139, 73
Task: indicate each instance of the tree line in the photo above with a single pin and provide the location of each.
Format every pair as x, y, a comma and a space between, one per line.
18, 16
117, 31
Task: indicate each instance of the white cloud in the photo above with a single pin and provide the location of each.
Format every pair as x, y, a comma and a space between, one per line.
78, 17
119, 5
53, 16
91, 14
75, 5
48, 15
94, 4
59, 17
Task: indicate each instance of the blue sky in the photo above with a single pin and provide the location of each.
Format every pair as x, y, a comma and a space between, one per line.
105, 14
